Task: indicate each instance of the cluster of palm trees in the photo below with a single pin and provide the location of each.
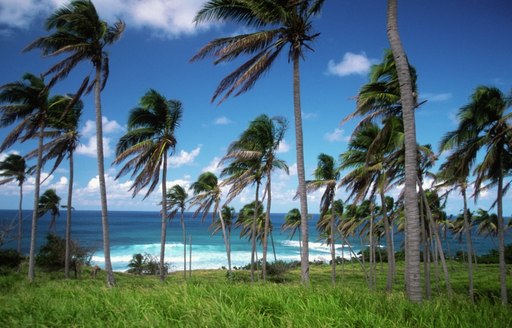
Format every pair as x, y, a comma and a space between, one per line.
382, 154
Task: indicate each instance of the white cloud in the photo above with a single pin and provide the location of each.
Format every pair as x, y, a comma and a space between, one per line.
184, 157
336, 135
284, 147
222, 121
89, 149
351, 63
169, 18
309, 116
213, 166
108, 127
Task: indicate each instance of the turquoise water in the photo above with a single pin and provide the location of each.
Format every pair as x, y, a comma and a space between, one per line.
139, 232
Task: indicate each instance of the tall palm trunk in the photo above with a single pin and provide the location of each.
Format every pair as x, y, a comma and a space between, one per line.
469, 244
412, 265
226, 242
299, 144
372, 258
184, 245
101, 177
20, 218
253, 231
333, 246
501, 242
389, 244
67, 260
37, 185
266, 229
163, 234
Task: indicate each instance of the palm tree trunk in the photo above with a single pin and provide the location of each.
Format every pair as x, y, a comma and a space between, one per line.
299, 145
333, 246
253, 231
67, 260
37, 187
469, 244
190, 257
184, 246
101, 177
266, 228
425, 240
389, 246
226, 243
20, 218
501, 242
372, 258
163, 233
412, 265
273, 246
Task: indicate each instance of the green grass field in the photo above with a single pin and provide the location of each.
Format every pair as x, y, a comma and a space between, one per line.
208, 299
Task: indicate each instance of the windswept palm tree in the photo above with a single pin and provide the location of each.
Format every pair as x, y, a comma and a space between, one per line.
145, 148
292, 223
62, 131
256, 151
14, 168
484, 127
327, 174
207, 193
408, 103
82, 35
177, 201
26, 102
50, 202
279, 24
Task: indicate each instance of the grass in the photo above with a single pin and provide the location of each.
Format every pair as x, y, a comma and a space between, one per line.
208, 299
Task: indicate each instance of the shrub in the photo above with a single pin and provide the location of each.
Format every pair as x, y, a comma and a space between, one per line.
51, 256
9, 259
145, 264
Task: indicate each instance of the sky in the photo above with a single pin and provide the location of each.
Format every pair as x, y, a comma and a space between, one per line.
454, 45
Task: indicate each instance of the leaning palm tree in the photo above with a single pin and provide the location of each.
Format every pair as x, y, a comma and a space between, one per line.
177, 201
207, 193
26, 102
288, 23
256, 149
292, 223
62, 131
326, 175
229, 216
50, 202
145, 148
79, 32
14, 168
484, 127
407, 99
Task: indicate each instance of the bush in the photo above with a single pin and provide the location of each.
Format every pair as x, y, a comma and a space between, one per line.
9, 259
145, 264
52, 255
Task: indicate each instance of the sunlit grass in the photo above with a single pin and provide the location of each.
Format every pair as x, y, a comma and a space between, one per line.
208, 299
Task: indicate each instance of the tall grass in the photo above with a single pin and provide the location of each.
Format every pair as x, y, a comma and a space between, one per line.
209, 300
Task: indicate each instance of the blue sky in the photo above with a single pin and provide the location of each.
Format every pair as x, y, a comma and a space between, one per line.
455, 46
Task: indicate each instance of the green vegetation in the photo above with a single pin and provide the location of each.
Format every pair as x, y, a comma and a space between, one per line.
208, 299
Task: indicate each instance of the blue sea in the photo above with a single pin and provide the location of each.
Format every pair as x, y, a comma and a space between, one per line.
139, 232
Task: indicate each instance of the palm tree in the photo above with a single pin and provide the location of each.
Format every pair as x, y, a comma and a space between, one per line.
326, 176
229, 216
177, 201
26, 101
145, 147
62, 129
292, 223
289, 23
14, 168
207, 193
49, 202
412, 263
256, 151
80, 33
483, 125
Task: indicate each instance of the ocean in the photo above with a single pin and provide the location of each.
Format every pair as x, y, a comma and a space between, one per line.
139, 232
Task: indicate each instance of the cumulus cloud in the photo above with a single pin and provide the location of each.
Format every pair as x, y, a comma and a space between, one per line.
184, 157
336, 135
109, 126
213, 166
89, 148
350, 64
169, 18
222, 121
284, 147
